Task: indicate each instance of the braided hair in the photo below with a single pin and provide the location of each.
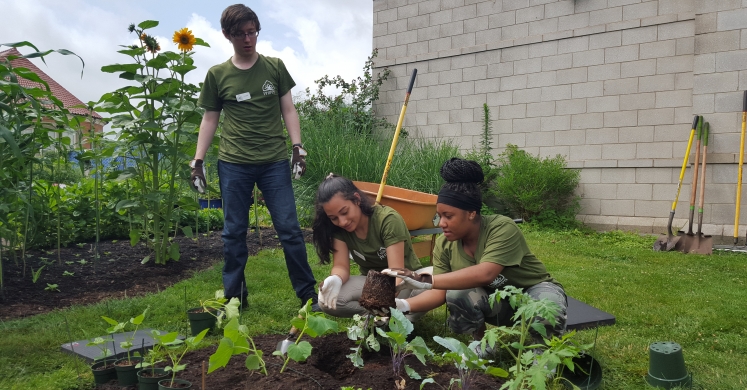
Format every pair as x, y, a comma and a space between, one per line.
323, 227
463, 176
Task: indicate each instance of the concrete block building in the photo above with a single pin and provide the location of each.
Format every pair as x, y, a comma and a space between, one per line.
612, 85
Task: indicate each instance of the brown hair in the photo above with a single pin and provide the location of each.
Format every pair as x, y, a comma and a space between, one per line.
235, 16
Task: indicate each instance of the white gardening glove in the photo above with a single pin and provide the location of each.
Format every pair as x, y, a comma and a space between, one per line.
402, 305
329, 291
410, 280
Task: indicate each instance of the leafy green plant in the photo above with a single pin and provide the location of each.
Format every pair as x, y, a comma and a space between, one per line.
218, 307
68, 273
101, 343
466, 361
175, 348
158, 119
399, 328
117, 327
534, 188
236, 341
535, 362
363, 334
154, 356
36, 274
52, 287
308, 323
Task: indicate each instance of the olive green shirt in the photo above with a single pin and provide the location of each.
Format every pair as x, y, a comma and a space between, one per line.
252, 131
500, 242
385, 228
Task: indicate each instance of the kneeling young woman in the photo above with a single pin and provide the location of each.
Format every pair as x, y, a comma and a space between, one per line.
475, 256
348, 225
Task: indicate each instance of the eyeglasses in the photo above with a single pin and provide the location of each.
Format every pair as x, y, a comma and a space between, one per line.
241, 35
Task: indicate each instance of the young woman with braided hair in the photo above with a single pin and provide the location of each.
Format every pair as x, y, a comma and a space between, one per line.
475, 256
349, 226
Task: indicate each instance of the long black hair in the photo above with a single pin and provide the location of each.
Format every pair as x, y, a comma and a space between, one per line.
463, 176
323, 227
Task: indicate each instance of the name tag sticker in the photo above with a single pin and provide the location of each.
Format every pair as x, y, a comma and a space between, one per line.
243, 96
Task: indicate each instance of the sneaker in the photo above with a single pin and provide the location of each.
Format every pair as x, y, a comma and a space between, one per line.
314, 304
315, 307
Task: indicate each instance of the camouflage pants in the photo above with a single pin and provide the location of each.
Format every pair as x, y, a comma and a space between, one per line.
469, 309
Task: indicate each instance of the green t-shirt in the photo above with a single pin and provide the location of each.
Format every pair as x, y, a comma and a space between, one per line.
385, 228
500, 242
252, 127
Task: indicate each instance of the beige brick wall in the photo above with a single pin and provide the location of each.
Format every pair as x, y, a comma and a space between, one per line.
610, 84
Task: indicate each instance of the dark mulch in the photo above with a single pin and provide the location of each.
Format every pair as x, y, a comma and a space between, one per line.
327, 369
118, 274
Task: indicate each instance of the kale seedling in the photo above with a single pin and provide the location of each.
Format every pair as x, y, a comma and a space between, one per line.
236, 341
362, 333
466, 361
68, 273
309, 323
399, 328
52, 287
175, 348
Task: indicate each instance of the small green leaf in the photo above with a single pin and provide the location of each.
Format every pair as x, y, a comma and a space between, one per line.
222, 355
109, 320
253, 362
148, 24
187, 230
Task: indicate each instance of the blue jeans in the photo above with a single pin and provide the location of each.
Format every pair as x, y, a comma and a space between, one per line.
237, 187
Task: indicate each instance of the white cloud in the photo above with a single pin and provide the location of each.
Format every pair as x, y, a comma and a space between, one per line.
333, 36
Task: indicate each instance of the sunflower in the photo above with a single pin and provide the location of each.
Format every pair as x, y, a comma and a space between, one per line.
185, 39
142, 37
151, 44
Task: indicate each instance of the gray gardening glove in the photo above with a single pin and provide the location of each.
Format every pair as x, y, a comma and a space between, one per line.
411, 280
197, 178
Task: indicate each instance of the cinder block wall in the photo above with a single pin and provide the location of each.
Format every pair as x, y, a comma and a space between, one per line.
612, 85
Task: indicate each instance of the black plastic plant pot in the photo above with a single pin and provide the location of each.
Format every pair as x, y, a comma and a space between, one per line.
103, 371
148, 378
166, 384
200, 320
666, 366
587, 374
127, 373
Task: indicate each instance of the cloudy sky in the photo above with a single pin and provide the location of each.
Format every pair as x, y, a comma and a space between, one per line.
313, 38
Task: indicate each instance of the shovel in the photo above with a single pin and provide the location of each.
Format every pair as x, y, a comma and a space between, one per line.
283, 345
668, 241
703, 244
686, 240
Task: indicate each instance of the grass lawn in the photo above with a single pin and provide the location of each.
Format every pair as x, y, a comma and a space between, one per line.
696, 301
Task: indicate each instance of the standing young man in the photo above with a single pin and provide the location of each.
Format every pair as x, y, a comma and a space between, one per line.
254, 92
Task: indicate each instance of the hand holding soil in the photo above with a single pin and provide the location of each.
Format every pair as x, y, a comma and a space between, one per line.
378, 292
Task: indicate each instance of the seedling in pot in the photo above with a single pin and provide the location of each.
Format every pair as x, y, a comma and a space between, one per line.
153, 357
311, 324
101, 343
399, 328
175, 348
117, 327
236, 341
466, 361
218, 307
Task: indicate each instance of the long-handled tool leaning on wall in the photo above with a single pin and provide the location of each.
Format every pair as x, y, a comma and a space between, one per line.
739, 174
668, 241
687, 239
703, 244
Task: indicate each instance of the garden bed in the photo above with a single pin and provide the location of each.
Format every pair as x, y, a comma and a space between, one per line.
118, 274
327, 368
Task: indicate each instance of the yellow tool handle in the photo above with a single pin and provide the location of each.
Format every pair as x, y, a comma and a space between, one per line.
684, 166
396, 137
739, 175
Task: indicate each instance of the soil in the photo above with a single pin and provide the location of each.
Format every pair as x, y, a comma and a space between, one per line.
378, 291
327, 369
118, 274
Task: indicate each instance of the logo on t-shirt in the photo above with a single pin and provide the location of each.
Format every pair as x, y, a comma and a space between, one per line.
269, 88
498, 282
382, 253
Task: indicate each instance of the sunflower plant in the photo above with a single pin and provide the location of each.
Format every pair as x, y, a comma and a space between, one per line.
158, 119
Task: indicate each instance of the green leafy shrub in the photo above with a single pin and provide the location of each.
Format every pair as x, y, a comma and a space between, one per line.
537, 189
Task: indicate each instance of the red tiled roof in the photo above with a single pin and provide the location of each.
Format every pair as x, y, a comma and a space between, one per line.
67, 98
